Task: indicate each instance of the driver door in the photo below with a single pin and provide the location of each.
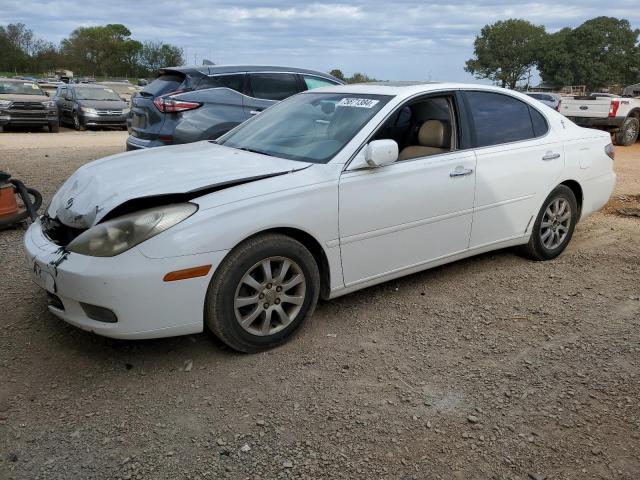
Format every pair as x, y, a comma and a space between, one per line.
406, 214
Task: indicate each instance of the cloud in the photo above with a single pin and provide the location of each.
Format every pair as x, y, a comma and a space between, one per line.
405, 39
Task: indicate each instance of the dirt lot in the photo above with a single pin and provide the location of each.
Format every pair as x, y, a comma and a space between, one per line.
490, 368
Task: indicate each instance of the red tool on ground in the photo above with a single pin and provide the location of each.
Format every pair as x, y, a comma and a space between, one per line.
10, 212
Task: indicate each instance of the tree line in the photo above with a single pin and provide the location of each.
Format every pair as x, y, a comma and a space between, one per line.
600, 52
106, 50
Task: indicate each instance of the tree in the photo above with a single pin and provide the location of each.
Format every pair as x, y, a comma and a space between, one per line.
156, 55
505, 51
338, 74
15, 44
102, 50
600, 52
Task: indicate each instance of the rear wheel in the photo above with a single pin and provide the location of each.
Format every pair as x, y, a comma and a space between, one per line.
628, 133
262, 293
554, 225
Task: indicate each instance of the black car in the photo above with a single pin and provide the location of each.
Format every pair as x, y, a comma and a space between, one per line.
91, 105
187, 104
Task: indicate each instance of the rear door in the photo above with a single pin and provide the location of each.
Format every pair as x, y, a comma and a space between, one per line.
265, 89
146, 119
519, 161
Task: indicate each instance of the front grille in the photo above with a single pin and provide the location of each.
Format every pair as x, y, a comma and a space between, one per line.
27, 106
109, 112
26, 114
57, 232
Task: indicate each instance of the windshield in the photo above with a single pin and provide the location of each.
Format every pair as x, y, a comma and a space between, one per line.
311, 127
96, 94
20, 88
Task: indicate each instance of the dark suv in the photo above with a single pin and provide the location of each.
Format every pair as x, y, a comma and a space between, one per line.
187, 104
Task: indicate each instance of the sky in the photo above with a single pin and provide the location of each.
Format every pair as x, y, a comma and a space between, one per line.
390, 40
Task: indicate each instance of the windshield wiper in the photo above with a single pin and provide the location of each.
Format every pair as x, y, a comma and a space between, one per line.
254, 151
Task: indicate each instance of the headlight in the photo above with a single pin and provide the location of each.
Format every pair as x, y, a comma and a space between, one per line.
120, 234
49, 104
88, 110
126, 111
5, 103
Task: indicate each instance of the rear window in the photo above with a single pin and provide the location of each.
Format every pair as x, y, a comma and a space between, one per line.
164, 84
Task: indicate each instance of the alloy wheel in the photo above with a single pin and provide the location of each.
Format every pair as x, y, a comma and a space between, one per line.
555, 223
269, 296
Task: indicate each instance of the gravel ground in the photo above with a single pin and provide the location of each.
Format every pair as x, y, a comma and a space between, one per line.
493, 367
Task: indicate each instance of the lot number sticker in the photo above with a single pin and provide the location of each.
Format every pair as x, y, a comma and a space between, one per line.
358, 102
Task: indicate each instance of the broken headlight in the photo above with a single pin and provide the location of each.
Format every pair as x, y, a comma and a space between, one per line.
122, 233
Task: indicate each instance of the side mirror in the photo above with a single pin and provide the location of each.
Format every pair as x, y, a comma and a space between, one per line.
46, 93
376, 154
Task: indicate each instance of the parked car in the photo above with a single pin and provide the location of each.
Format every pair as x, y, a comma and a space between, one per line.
50, 88
552, 100
124, 89
617, 115
91, 105
24, 103
187, 104
325, 193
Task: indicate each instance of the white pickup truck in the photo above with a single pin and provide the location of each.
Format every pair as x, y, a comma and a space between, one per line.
618, 115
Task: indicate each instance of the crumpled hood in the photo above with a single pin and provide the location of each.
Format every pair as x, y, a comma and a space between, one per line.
198, 168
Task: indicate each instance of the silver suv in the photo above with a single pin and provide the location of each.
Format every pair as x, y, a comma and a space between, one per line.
187, 104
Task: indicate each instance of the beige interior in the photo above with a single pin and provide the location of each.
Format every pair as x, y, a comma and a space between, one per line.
433, 139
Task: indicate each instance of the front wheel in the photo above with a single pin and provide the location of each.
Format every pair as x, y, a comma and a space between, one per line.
554, 225
628, 133
54, 127
262, 293
77, 123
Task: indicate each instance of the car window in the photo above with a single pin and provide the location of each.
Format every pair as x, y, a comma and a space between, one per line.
234, 82
93, 93
316, 82
20, 88
274, 86
499, 118
311, 127
61, 92
165, 83
540, 126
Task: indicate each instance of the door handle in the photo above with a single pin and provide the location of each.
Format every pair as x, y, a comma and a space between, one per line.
550, 156
254, 112
461, 172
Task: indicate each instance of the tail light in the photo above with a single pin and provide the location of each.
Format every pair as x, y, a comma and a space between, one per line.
613, 109
167, 104
558, 106
610, 151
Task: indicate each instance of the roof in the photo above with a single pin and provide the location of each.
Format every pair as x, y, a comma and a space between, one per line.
403, 88
217, 69
17, 80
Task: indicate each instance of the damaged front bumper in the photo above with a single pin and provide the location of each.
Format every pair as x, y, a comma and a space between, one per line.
129, 285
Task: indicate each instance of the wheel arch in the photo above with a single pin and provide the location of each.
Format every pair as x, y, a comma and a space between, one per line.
312, 244
635, 113
576, 188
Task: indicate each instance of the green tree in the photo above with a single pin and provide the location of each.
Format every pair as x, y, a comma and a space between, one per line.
15, 44
156, 55
505, 51
336, 72
102, 50
600, 52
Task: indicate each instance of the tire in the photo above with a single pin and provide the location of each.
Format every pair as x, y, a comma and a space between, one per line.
223, 318
54, 127
77, 123
540, 247
628, 133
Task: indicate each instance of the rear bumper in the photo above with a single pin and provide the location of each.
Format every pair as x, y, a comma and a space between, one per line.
596, 193
606, 123
135, 143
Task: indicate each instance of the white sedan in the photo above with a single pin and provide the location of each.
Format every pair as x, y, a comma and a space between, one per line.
328, 192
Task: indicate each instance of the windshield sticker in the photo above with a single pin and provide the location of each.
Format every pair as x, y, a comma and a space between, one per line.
32, 85
358, 102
